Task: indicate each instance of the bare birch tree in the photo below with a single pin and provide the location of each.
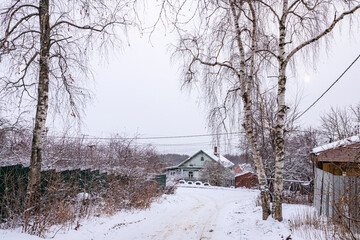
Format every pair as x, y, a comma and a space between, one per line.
235, 44
44, 51
220, 54
299, 24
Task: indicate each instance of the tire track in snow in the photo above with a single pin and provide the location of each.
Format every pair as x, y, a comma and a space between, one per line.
197, 214
183, 223
201, 224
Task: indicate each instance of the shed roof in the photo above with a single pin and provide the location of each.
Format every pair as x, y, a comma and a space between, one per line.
243, 173
341, 143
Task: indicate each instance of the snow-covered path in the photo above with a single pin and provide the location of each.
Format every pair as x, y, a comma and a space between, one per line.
202, 214
190, 214
193, 213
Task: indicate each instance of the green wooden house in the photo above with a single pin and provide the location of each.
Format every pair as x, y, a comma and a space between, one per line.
190, 168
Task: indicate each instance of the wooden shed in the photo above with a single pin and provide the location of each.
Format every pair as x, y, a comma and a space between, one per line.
246, 179
337, 180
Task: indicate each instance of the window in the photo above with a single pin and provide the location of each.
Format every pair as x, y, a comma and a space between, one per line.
191, 175
202, 158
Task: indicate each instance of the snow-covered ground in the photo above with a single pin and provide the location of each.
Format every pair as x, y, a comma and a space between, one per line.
191, 213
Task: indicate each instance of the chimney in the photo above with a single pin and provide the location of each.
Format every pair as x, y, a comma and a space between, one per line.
215, 151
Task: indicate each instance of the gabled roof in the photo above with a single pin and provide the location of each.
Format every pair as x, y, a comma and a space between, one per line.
220, 158
341, 143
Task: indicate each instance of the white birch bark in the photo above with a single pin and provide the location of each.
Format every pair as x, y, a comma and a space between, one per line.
246, 89
280, 120
33, 190
283, 59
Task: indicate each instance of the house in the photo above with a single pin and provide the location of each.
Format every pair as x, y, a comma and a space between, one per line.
238, 170
246, 179
244, 167
190, 168
337, 180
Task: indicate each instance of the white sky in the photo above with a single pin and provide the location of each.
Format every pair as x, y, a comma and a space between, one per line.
138, 92
330, 66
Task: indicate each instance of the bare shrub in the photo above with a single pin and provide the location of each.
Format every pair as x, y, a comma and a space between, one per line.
295, 197
170, 189
216, 174
81, 182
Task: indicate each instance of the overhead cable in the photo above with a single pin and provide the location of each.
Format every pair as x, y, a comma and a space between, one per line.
85, 137
330, 86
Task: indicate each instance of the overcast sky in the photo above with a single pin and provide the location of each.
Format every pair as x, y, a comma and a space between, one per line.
138, 92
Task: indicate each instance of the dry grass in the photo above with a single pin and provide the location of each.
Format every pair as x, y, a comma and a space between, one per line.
307, 224
295, 197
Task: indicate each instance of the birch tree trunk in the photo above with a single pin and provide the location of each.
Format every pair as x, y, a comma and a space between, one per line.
280, 119
260, 171
33, 188
246, 83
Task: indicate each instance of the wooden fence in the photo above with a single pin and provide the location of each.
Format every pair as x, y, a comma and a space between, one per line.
337, 197
13, 184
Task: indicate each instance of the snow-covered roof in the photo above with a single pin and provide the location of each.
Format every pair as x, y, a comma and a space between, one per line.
341, 143
243, 173
246, 167
219, 158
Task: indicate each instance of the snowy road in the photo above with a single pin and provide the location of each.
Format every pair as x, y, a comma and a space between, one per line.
194, 213
190, 214
201, 215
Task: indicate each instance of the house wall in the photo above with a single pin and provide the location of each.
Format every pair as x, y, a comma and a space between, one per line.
183, 174
247, 180
196, 174
197, 161
340, 168
238, 170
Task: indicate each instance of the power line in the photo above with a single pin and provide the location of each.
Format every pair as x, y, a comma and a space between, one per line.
186, 144
330, 86
148, 138
204, 135
87, 137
